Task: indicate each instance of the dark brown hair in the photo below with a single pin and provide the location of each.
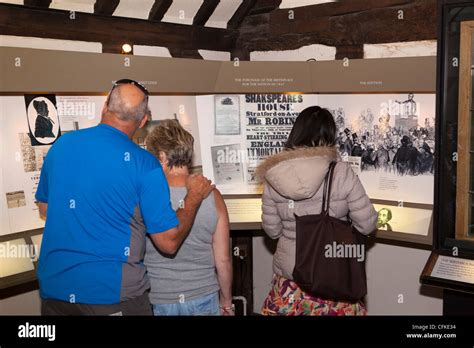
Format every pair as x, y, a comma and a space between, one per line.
314, 126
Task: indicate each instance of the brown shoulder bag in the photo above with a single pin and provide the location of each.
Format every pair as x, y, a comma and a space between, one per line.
330, 254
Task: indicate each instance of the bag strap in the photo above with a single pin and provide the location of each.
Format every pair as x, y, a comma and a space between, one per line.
327, 188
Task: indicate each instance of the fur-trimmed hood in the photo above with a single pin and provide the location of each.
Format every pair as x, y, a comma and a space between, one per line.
297, 174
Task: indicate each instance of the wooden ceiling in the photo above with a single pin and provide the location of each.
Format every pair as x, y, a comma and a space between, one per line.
346, 25
104, 26
236, 26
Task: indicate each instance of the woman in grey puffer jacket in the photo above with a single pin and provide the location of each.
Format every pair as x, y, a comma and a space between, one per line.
293, 185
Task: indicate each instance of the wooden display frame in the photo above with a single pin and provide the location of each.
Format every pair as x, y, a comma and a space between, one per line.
451, 216
463, 193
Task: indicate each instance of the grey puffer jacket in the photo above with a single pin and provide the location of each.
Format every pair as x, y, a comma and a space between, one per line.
293, 185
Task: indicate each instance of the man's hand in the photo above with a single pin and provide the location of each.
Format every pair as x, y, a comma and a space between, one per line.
199, 186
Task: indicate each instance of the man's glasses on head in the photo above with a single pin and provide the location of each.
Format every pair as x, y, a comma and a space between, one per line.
129, 82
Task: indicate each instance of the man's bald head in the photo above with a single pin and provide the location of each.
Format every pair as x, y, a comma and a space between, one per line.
127, 103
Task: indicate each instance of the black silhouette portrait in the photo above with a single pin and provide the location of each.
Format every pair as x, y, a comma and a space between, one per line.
43, 124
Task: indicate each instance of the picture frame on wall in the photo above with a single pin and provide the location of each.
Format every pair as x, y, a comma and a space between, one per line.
227, 115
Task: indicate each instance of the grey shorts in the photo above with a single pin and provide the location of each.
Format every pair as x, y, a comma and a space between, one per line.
136, 306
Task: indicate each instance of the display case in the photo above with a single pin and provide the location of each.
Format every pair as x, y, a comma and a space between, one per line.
451, 264
395, 95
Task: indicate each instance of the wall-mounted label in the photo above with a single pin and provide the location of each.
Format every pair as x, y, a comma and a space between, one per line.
454, 268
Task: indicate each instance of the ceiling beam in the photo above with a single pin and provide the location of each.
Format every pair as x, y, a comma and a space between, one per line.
344, 7
185, 53
264, 6
158, 10
105, 7
239, 15
205, 12
338, 24
56, 24
37, 3
351, 52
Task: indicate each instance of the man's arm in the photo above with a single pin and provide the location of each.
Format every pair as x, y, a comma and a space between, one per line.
43, 208
169, 241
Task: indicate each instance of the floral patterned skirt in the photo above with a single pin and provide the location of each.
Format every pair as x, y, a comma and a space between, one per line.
286, 298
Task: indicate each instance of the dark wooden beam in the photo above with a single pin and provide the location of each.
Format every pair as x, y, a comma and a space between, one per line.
56, 24
343, 7
241, 54
184, 53
158, 10
241, 13
308, 16
105, 7
343, 24
37, 3
264, 6
351, 52
114, 47
205, 11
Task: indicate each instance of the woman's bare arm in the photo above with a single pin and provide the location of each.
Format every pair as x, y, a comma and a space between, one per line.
221, 247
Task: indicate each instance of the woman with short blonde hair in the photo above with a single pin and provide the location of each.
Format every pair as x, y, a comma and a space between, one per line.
197, 280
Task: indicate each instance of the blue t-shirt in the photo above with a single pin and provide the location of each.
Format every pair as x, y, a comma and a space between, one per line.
104, 193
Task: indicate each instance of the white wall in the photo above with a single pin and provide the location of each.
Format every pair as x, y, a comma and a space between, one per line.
184, 107
223, 13
393, 282
401, 49
214, 55
73, 5
49, 44
299, 3
154, 51
392, 279
134, 8
318, 52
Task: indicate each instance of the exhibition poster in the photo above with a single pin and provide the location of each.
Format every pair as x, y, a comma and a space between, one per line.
393, 136
265, 122
227, 164
268, 122
227, 115
387, 138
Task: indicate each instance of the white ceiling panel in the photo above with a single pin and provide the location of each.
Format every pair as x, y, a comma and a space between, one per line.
15, 2
299, 3
223, 13
134, 8
74, 5
182, 11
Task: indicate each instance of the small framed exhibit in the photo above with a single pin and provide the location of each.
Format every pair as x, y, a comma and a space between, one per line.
404, 221
227, 115
19, 254
450, 264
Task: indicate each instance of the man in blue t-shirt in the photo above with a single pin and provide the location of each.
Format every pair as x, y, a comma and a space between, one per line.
101, 194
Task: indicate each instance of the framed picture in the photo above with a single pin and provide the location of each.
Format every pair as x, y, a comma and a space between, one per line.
227, 115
